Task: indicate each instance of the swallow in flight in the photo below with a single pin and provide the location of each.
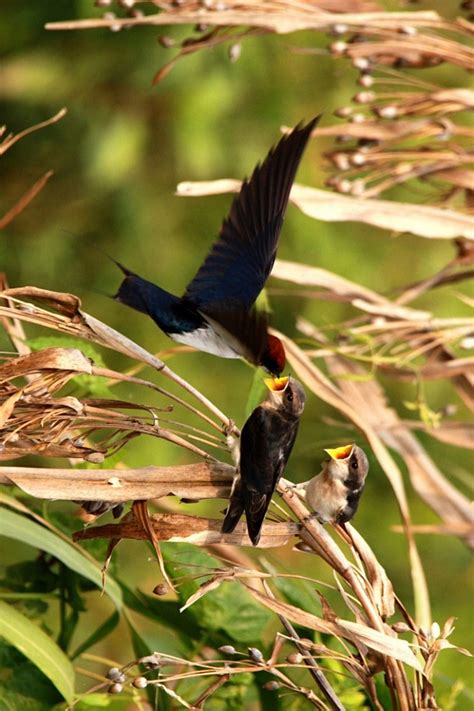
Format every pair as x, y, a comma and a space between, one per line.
217, 312
266, 442
335, 492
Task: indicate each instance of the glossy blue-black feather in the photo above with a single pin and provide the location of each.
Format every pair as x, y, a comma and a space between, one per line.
240, 261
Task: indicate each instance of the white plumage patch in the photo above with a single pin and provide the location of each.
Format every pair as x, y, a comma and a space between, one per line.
207, 340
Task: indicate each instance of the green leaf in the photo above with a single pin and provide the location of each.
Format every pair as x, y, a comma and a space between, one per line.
99, 633
38, 648
227, 609
256, 394
21, 528
163, 612
22, 685
95, 702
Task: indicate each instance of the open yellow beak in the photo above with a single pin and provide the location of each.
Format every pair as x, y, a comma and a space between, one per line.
276, 384
340, 452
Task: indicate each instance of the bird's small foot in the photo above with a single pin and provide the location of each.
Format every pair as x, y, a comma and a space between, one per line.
313, 516
229, 429
295, 490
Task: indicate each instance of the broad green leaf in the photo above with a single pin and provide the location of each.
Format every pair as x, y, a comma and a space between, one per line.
21, 528
38, 648
22, 685
227, 609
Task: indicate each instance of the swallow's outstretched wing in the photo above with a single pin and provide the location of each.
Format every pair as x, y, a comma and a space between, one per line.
240, 261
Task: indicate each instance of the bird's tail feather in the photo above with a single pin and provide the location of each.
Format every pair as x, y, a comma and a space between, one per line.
256, 507
234, 511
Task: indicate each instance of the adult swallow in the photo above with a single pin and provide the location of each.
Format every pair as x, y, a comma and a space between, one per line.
216, 314
266, 442
334, 494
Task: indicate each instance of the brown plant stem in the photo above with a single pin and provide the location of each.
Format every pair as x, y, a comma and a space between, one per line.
314, 535
310, 662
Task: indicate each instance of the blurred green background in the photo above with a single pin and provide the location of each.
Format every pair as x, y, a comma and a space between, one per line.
117, 157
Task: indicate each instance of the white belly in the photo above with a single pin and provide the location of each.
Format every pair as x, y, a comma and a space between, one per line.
207, 340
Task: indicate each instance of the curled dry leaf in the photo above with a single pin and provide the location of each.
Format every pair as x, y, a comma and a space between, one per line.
318, 383
385, 644
381, 585
82, 325
70, 359
192, 529
205, 480
359, 296
425, 476
324, 205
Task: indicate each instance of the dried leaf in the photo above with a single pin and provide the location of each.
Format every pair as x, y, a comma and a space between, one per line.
64, 303
360, 296
422, 220
7, 407
426, 478
206, 480
352, 631
359, 415
380, 583
178, 528
69, 359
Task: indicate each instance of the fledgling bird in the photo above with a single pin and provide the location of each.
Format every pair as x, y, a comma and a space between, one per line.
266, 441
334, 494
216, 314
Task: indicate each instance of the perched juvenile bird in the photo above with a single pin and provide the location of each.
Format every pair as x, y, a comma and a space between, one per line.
266, 442
216, 314
334, 494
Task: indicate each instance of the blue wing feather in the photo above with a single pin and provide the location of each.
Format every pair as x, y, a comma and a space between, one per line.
240, 261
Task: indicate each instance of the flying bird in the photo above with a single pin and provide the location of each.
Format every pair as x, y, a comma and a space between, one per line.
335, 492
266, 442
216, 314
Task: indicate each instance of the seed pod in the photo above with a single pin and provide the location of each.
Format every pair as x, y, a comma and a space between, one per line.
343, 112
114, 674
388, 112
255, 655
338, 47
364, 97
361, 63
227, 649
166, 41
400, 627
365, 80
160, 589
115, 689
140, 682
235, 51
271, 685
339, 28
295, 658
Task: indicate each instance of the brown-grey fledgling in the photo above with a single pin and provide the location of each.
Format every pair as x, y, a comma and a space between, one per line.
335, 492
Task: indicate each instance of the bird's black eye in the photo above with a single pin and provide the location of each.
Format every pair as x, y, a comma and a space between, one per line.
289, 396
354, 464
